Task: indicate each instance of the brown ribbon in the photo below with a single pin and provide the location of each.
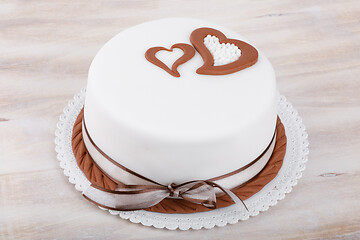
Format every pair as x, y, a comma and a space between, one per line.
136, 197
140, 196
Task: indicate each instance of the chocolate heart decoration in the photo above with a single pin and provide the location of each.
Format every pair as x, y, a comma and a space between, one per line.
188, 50
249, 54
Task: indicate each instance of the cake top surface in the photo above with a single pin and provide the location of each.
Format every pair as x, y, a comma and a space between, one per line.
148, 100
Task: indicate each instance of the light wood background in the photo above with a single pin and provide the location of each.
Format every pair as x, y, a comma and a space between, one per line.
46, 48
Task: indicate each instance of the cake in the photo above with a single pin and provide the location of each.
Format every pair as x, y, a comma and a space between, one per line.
177, 101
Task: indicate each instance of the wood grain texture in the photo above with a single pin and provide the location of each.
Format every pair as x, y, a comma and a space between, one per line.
46, 48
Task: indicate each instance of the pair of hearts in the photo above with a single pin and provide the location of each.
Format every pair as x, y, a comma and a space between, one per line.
249, 54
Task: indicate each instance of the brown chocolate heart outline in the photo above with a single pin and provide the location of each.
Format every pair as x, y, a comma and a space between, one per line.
249, 55
188, 50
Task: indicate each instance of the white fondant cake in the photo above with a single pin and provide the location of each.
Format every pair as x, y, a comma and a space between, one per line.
176, 129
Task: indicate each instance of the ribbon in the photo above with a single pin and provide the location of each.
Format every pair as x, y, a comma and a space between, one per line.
140, 192
135, 197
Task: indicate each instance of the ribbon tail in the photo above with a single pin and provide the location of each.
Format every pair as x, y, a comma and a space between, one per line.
232, 195
235, 198
124, 200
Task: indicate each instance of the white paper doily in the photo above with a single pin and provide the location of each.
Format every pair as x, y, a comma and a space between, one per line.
290, 172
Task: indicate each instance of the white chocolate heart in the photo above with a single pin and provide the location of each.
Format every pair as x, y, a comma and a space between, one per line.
223, 53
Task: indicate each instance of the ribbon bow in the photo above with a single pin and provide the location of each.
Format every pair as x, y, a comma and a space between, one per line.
135, 197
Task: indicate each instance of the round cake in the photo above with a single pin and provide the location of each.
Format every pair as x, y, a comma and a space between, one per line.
176, 100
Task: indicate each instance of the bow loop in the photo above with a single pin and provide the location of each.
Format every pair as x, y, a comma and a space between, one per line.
199, 192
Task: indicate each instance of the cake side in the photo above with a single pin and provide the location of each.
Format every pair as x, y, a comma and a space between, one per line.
177, 129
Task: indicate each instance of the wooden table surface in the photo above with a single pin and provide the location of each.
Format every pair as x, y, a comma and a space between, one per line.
46, 48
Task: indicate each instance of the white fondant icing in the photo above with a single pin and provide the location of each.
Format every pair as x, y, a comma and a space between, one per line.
177, 129
169, 57
127, 178
223, 53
